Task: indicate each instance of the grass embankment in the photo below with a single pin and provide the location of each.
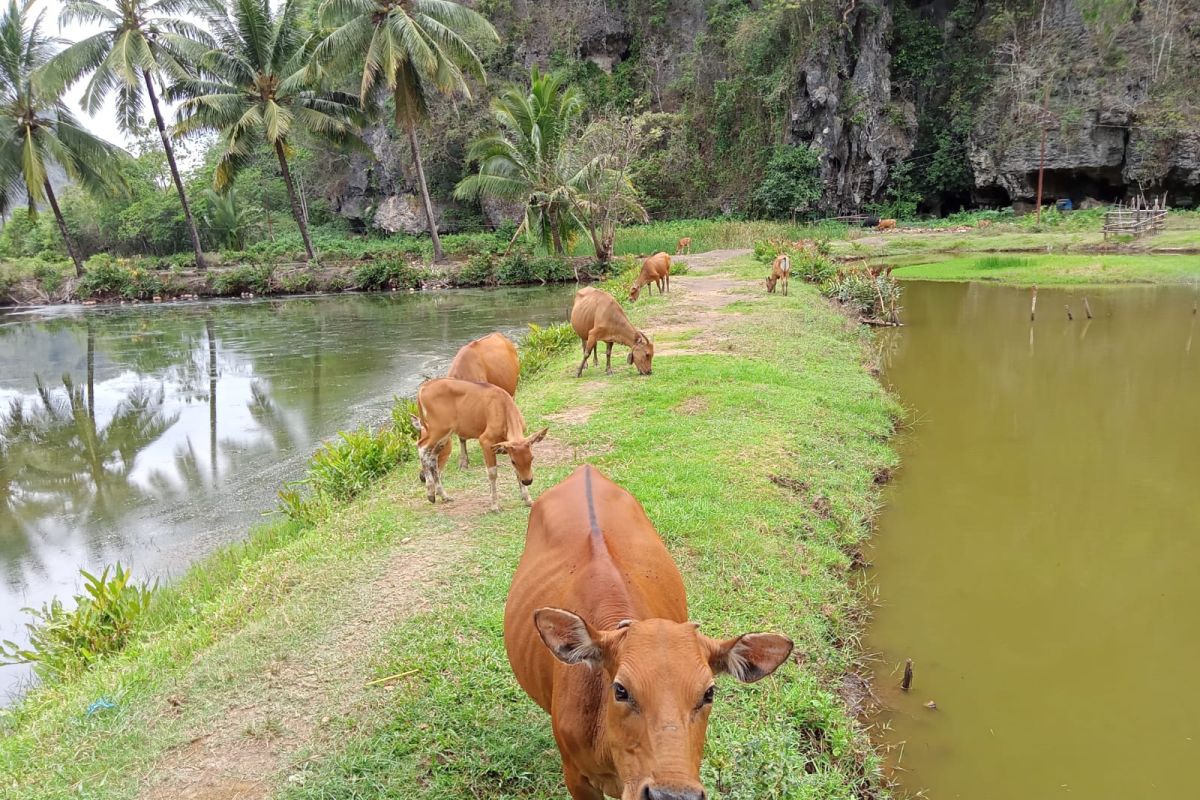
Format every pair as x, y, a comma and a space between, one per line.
754, 447
1051, 270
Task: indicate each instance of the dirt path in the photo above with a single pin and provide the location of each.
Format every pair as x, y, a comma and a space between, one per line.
249, 727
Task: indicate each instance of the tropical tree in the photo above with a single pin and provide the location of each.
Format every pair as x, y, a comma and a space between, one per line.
529, 160
411, 49
260, 82
138, 41
606, 153
37, 131
226, 219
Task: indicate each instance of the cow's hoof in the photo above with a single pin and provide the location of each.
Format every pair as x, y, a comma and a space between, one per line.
463, 464
608, 372
431, 498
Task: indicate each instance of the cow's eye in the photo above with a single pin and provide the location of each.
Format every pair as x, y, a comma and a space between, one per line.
620, 693
708, 696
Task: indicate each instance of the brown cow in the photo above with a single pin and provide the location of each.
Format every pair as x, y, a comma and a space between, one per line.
597, 317
781, 270
597, 634
489, 359
886, 224
684, 246
656, 270
450, 406
985, 223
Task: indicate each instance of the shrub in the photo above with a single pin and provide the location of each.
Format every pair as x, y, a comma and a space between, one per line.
106, 276
49, 276
480, 270
345, 467
244, 278
542, 344
296, 282
809, 261
792, 184
387, 273
870, 293
64, 643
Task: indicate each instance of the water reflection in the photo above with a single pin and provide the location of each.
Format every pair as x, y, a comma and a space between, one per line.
153, 434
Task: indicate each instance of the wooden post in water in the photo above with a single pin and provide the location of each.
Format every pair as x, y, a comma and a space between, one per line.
1042, 161
1033, 304
1070, 317
1086, 307
906, 683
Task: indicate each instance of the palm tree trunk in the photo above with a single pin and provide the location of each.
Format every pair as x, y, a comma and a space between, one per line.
62, 227
287, 180
166, 140
411, 127
555, 234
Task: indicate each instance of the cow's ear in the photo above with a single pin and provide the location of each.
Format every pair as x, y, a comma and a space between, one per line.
537, 437
570, 638
630, 359
500, 448
415, 420
749, 657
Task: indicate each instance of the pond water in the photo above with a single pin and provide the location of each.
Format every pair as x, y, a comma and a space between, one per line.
1038, 553
154, 434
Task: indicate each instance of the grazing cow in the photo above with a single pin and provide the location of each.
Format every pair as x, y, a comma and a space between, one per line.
985, 223
684, 246
597, 317
489, 359
597, 634
449, 406
656, 271
781, 270
886, 224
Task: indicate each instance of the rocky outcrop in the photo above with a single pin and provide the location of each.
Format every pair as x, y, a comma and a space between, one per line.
844, 108
1112, 129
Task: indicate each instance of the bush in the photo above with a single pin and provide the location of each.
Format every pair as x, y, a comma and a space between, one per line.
241, 279
870, 293
480, 270
64, 643
105, 276
542, 344
521, 267
792, 184
809, 258
387, 273
345, 467
49, 276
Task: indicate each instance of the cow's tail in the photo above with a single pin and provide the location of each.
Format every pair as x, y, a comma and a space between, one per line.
786, 266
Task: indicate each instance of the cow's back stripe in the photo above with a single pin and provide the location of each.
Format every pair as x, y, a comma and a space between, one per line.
587, 490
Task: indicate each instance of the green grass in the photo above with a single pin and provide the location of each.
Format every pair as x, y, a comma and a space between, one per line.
710, 234
698, 443
1048, 270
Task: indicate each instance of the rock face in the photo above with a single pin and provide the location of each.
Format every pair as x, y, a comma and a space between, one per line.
842, 109
1111, 129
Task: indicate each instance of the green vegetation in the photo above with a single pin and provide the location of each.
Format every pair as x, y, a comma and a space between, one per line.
792, 185
1058, 269
420, 698
63, 643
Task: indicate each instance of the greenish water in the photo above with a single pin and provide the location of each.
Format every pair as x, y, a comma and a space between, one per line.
1037, 554
154, 434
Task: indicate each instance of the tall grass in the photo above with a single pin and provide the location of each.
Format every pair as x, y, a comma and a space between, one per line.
711, 234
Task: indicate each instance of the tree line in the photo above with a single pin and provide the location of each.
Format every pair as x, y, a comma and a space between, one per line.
261, 79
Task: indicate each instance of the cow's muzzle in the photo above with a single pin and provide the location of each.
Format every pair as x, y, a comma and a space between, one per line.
672, 793
527, 481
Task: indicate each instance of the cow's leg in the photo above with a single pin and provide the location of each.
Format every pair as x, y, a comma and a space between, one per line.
489, 460
785, 285
608, 359
443, 456
589, 348
463, 461
525, 498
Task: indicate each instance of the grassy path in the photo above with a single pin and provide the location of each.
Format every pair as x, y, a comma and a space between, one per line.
755, 447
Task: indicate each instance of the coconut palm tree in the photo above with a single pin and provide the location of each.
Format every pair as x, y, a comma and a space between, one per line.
37, 131
137, 41
260, 82
411, 49
529, 160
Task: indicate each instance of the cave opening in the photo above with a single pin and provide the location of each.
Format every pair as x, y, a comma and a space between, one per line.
1104, 184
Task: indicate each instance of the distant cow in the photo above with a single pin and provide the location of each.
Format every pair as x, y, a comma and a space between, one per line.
886, 224
597, 317
489, 359
870, 221
596, 630
781, 270
449, 406
656, 271
985, 223
684, 246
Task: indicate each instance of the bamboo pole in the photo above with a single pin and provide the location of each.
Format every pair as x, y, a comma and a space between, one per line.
906, 683
1033, 304
1070, 316
1087, 308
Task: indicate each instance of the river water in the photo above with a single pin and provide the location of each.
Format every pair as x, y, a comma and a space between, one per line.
154, 434
1038, 556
